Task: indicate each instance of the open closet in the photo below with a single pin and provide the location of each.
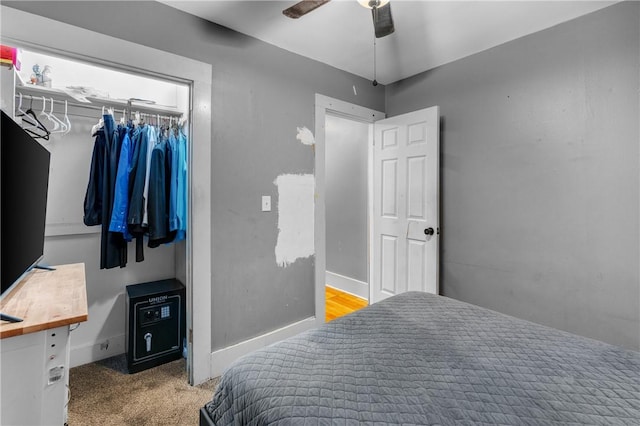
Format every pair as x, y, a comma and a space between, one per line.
63, 110
70, 113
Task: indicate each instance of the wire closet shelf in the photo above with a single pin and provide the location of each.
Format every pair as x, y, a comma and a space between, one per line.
128, 107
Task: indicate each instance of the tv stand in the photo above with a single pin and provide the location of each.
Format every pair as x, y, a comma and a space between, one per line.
9, 318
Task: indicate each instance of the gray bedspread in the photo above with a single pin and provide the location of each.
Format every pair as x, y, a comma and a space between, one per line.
417, 358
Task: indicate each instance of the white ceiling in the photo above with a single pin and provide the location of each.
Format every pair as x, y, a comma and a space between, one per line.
428, 33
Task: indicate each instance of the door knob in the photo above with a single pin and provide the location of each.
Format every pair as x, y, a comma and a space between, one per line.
428, 231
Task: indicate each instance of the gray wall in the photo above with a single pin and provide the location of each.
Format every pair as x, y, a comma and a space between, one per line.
540, 171
260, 95
346, 163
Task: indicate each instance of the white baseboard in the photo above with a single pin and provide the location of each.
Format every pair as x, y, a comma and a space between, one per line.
346, 284
92, 352
222, 358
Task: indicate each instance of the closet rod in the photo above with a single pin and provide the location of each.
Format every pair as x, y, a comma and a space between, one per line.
116, 105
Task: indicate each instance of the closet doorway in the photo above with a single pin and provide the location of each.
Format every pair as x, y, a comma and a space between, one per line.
67, 241
71, 104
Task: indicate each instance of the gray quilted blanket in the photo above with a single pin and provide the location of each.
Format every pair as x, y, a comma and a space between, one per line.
422, 359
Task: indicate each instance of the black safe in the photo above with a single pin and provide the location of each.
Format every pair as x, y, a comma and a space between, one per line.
155, 323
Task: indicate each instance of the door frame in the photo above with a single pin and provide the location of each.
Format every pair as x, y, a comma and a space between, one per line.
325, 105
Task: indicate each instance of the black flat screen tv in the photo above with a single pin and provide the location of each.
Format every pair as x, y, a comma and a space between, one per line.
24, 182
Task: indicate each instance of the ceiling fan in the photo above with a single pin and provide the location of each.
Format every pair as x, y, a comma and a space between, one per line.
380, 11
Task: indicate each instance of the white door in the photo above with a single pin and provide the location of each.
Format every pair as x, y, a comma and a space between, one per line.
405, 235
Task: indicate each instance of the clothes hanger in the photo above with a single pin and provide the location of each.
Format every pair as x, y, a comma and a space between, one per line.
66, 119
46, 115
59, 126
98, 125
181, 124
37, 129
176, 126
43, 113
25, 117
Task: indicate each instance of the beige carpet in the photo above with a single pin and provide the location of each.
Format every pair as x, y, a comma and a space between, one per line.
103, 394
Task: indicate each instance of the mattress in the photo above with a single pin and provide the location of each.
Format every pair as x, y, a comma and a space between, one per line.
418, 358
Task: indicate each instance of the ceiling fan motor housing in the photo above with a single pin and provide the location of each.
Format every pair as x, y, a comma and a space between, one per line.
373, 4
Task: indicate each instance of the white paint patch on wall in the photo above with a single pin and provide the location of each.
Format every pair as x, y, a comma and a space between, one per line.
296, 198
305, 136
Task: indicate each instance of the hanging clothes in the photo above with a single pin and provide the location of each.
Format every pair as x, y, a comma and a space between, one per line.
159, 193
152, 136
173, 181
93, 196
137, 188
120, 208
181, 203
113, 248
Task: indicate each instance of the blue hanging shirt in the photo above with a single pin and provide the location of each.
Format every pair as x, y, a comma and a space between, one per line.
173, 180
120, 209
181, 201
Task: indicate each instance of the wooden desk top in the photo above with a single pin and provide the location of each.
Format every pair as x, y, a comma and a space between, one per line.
46, 299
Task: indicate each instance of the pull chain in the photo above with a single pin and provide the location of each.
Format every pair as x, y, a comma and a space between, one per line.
375, 82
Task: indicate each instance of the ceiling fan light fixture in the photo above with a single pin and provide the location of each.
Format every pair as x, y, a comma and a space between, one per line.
370, 4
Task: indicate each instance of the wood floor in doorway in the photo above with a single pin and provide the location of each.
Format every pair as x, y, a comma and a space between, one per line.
338, 303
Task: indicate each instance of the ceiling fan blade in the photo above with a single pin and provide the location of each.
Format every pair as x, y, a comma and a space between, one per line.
382, 21
303, 7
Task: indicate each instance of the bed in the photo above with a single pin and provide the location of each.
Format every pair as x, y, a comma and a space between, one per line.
418, 358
